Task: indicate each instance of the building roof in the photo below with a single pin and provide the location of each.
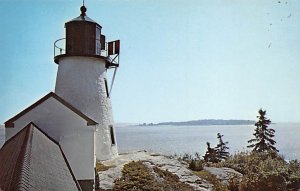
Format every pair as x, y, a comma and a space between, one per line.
83, 17
31, 160
10, 122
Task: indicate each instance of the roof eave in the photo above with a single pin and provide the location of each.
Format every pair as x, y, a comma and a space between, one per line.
10, 123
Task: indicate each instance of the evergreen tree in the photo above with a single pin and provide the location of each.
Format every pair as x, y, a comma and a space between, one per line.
222, 148
211, 154
263, 141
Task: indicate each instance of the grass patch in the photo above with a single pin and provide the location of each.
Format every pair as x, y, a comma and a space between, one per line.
263, 171
155, 155
137, 176
218, 186
101, 167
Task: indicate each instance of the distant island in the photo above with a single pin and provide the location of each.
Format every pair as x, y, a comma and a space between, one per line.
203, 122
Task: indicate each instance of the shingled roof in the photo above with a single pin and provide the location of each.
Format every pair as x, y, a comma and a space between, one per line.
30, 160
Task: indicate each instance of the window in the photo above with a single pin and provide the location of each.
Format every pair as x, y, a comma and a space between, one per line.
112, 136
98, 39
106, 87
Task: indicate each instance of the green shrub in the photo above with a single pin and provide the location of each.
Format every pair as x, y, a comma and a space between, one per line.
187, 157
293, 181
196, 165
218, 186
234, 183
247, 162
263, 171
262, 182
137, 176
101, 167
267, 171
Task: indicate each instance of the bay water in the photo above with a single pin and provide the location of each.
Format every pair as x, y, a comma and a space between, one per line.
190, 139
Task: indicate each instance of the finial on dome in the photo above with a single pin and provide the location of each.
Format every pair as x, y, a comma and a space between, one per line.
83, 10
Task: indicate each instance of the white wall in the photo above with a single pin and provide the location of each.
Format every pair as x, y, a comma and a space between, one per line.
80, 81
67, 128
2, 135
79, 149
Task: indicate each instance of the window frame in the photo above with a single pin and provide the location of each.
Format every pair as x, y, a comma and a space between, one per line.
112, 135
106, 87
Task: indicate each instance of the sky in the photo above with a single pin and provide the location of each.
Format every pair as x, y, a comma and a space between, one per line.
180, 60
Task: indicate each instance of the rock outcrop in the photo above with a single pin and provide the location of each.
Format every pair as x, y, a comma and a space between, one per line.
223, 174
108, 177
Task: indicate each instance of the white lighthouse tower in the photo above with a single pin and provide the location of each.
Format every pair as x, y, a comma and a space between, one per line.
83, 61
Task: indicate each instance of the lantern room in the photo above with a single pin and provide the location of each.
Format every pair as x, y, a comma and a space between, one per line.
83, 36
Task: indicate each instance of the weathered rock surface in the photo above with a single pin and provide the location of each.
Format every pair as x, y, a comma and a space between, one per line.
164, 163
223, 174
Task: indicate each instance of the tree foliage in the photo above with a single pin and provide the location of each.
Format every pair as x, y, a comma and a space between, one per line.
222, 148
263, 141
211, 154
217, 153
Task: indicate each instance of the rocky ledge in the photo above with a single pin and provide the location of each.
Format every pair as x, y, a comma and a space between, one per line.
224, 174
180, 169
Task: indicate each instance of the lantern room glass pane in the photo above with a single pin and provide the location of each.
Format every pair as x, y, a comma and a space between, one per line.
98, 44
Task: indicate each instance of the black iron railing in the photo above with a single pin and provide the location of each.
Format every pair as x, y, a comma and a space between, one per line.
60, 47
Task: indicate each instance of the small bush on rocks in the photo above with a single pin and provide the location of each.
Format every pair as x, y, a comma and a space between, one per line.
196, 165
264, 171
234, 183
217, 185
137, 176
262, 182
101, 167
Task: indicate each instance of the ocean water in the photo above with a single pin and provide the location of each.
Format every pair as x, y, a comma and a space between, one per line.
191, 139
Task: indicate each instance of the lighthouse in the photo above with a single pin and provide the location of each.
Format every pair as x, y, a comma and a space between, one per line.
83, 58
65, 131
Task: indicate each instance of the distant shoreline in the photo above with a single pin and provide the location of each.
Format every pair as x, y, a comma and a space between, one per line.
203, 122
